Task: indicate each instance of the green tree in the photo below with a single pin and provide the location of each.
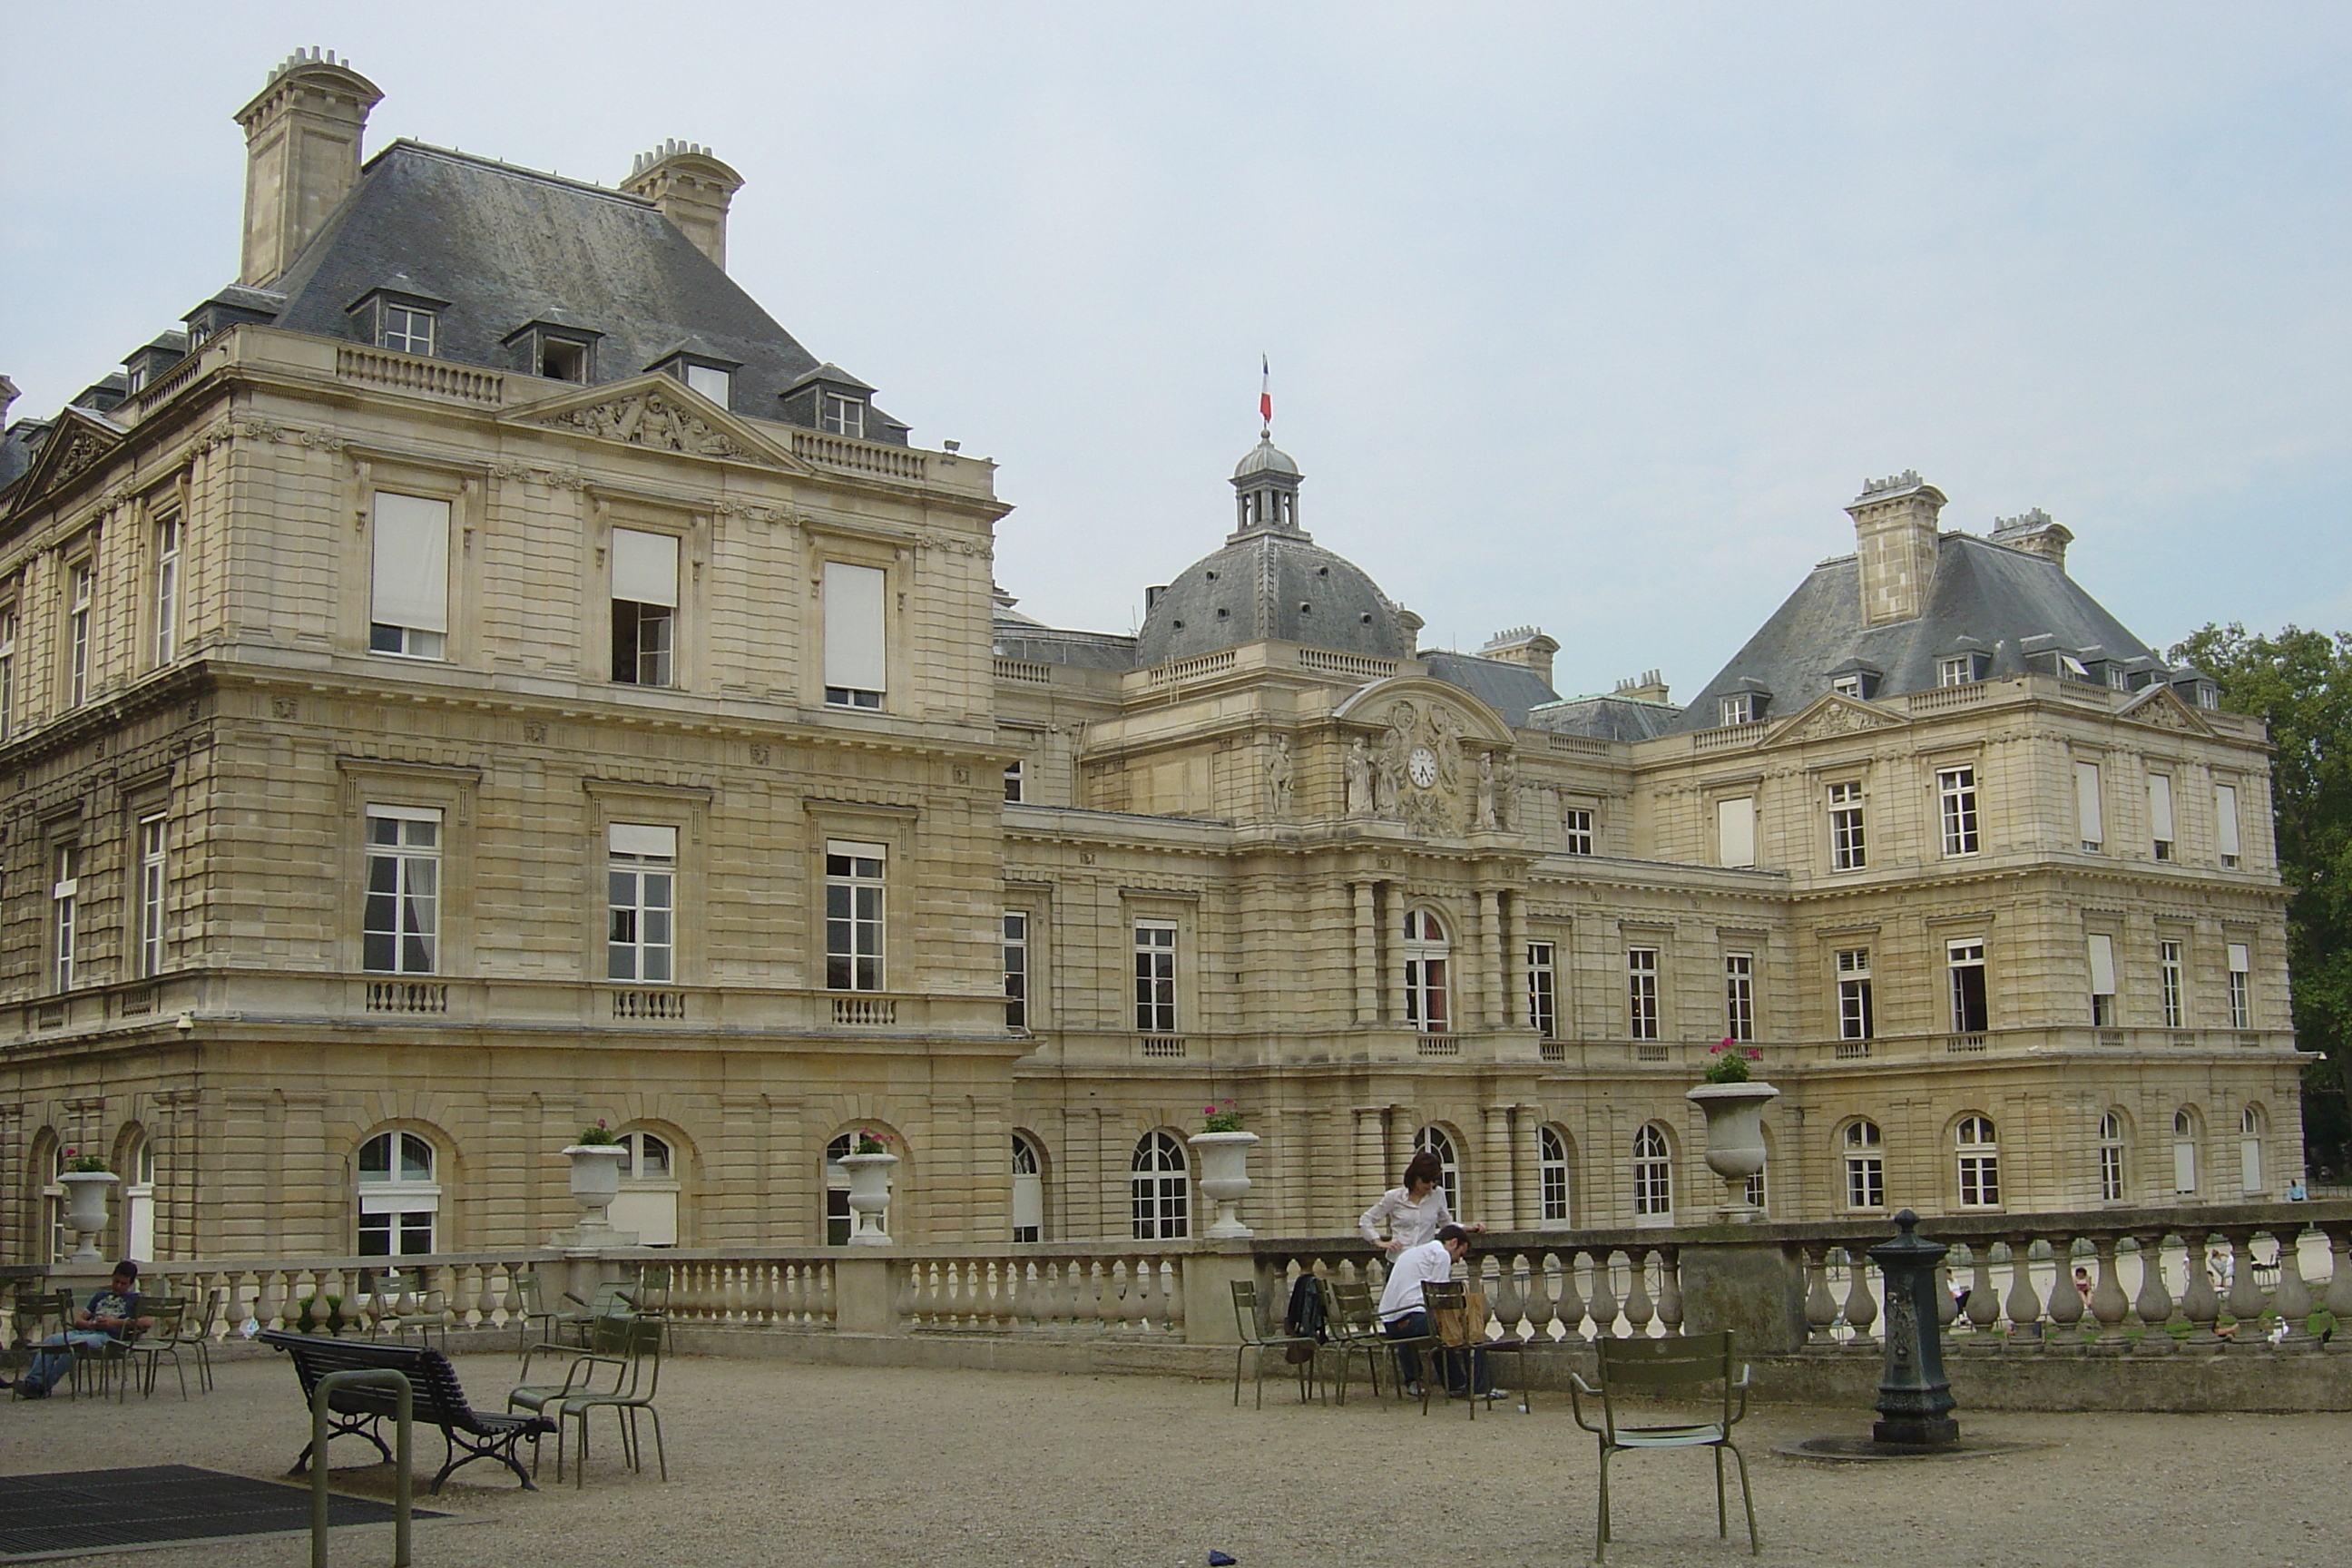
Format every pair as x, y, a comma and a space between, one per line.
2300, 682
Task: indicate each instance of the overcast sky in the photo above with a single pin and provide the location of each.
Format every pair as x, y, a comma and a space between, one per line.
1593, 316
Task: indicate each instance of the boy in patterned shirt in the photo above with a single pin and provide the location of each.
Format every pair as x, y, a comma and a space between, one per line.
112, 1314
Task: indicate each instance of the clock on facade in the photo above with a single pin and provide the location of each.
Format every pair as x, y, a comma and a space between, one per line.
1422, 766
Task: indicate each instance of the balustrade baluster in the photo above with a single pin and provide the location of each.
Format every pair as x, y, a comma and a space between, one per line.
1134, 1303
2154, 1303
1984, 1302
2292, 1300
2338, 1299
2109, 1305
1570, 1309
1948, 1305
1510, 1293
1605, 1294
2200, 1303
1543, 1296
2066, 1303
1174, 1308
1861, 1306
2246, 1301
1670, 1289
1640, 1311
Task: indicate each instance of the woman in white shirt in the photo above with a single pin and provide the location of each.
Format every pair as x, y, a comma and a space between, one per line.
1413, 1212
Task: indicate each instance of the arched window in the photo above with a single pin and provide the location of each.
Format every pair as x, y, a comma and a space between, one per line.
1551, 1174
1865, 1165
1980, 1161
838, 1221
2250, 1149
1158, 1185
1434, 1140
138, 1168
1028, 1191
399, 1201
1426, 952
2184, 1151
648, 1203
2110, 1158
1653, 1176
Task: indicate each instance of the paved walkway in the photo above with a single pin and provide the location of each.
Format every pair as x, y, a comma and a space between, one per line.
780, 1464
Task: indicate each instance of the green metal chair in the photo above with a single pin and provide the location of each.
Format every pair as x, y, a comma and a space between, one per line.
39, 1314
1692, 1370
1353, 1321
1253, 1338
1453, 1296
164, 1339
425, 1314
642, 1335
527, 1310
603, 1369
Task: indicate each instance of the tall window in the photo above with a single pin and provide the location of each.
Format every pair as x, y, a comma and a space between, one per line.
410, 586
2090, 813
65, 890
1155, 976
1641, 993
1576, 838
1543, 989
2184, 1152
1158, 1186
852, 916
644, 607
2250, 1150
154, 886
2103, 980
1653, 1174
8, 672
406, 330
1426, 953
167, 587
1847, 850
1857, 1020
398, 1198
839, 1220
1735, 831
2241, 1008
1433, 1141
1551, 1174
2110, 1158
1956, 791
83, 586
854, 621
2160, 814
641, 899
1739, 995
1016, 972
1866, 1166
1980, 1159
1966, 963
648, 1201
2170, 985
1015, 784
2225, 804
1028, 1191
400, 932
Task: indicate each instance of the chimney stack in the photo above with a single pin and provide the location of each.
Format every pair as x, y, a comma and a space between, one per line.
692, 189
1522, 645
301, 157
2036, 534
1895, 536
1649, 686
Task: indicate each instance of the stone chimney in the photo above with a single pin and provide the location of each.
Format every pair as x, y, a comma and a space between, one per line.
1522, 645
692, 188
1650, 687
301, 157
1895, 536
2036, 534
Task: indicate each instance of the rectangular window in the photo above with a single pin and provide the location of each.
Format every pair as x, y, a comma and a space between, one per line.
2111, 1172
1543, 989
1847, 850
1970, 1012
1956, 670
1855, 1018
64, 897
852, 916
7, 671
2103, 980
2242, 963
167, 587
2160, 814
410, 587
641, 902
1155, 976
2168, 977
2225, 796
1737, 709
1847, 686
1739, 995
1641, 993
714, 384
1577, 839
400, 933
1865, 1180
1735, 831
84, 587
1017, 970
154, 886
1014, 783
853, 635
407, 329
2089, 818
644, 607
1956, 791
843, 416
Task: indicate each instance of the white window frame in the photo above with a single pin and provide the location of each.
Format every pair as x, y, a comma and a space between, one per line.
856, 634
2159, 816
2184, 1152
65, 901
1849, 848
2110, 1158
1847, 686
1014, 940
1016, 782
1962, 954
2090, 813
1739, 708
1654, 1175
2249, 1152
2242, 963
1957, 669
1739, 997
644, 573
1576, 831
1155, 976
641, 903
1735, 831
856, 912
1427, 953
2171, 982
1028, 1189
842, 415
407, 329
408, 576
717, 384
2100, 949
1160, 1189
82, 591
1432, 1139
1857, 1015
1978, 1152
1865, 1164
1956, 796
154, 890
1554, 1190
404, 1209
1543, 989
1641, 993
408, 849
2225, 812
167, 586
8, 622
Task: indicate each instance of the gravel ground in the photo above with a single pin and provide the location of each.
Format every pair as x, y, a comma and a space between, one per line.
780, 1464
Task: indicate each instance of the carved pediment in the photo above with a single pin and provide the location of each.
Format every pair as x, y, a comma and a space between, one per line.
2160, 708
661, 413
80, 441
1834, 718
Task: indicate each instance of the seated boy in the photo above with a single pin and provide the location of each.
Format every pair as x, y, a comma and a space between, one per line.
112, 1314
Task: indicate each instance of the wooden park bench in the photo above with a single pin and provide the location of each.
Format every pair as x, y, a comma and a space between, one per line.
439, 1401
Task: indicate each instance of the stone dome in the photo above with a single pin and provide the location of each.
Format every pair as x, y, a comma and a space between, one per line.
1265, 458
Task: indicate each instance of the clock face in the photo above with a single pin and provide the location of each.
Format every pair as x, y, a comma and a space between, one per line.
1422, 766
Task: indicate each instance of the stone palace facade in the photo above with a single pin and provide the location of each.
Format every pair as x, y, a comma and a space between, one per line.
483, 676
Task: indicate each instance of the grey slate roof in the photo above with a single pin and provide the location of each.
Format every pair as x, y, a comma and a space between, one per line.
1607, 718
1018, 636
1271, 583
1510, 689
505, 246
1998, 596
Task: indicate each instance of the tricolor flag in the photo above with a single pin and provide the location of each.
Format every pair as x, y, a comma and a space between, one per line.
1265, 392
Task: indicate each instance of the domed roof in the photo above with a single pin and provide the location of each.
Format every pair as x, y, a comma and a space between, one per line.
1265, 458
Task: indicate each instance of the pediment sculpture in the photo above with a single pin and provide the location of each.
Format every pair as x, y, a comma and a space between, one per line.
649, 418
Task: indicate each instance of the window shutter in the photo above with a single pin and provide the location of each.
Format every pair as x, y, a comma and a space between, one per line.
412, 562
853, 626
2087, 803
645, 567
1735, 823
2160, 806
2103, 966
2225, 806
639, 839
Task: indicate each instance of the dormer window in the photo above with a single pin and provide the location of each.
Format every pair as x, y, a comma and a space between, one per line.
400, 321
555, 351
1737, 708
843, 416
714, 384
1847, 686
406, 329
1960, 668
694, 364
829, 398
2072, 668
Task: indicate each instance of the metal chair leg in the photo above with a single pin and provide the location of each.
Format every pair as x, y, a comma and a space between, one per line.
1755, 1543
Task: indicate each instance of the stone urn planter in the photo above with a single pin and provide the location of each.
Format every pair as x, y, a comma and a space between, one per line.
869, 1197
596, 1183
1225, 1178
87, 1192
1735, 1140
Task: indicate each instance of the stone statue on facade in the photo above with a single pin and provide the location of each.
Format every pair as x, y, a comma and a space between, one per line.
1278, 779
1486, 791
1359, 778
1506, 793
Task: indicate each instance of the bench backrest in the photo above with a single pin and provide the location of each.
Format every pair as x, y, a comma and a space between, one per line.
437, 1398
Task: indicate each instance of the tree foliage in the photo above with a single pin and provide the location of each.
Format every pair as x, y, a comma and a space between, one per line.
2300, 682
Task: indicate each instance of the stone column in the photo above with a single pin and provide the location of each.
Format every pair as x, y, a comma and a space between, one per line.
1499, 1204
1368, 963
1490, 941
1514, 961
1392, 968
1372, 1176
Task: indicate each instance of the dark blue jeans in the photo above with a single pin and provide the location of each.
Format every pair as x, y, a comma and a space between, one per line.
1414, 1325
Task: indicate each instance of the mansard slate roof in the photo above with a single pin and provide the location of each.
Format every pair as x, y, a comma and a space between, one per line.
1986, 598
1277, 585
504, 247
1607, 718
1510, 689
